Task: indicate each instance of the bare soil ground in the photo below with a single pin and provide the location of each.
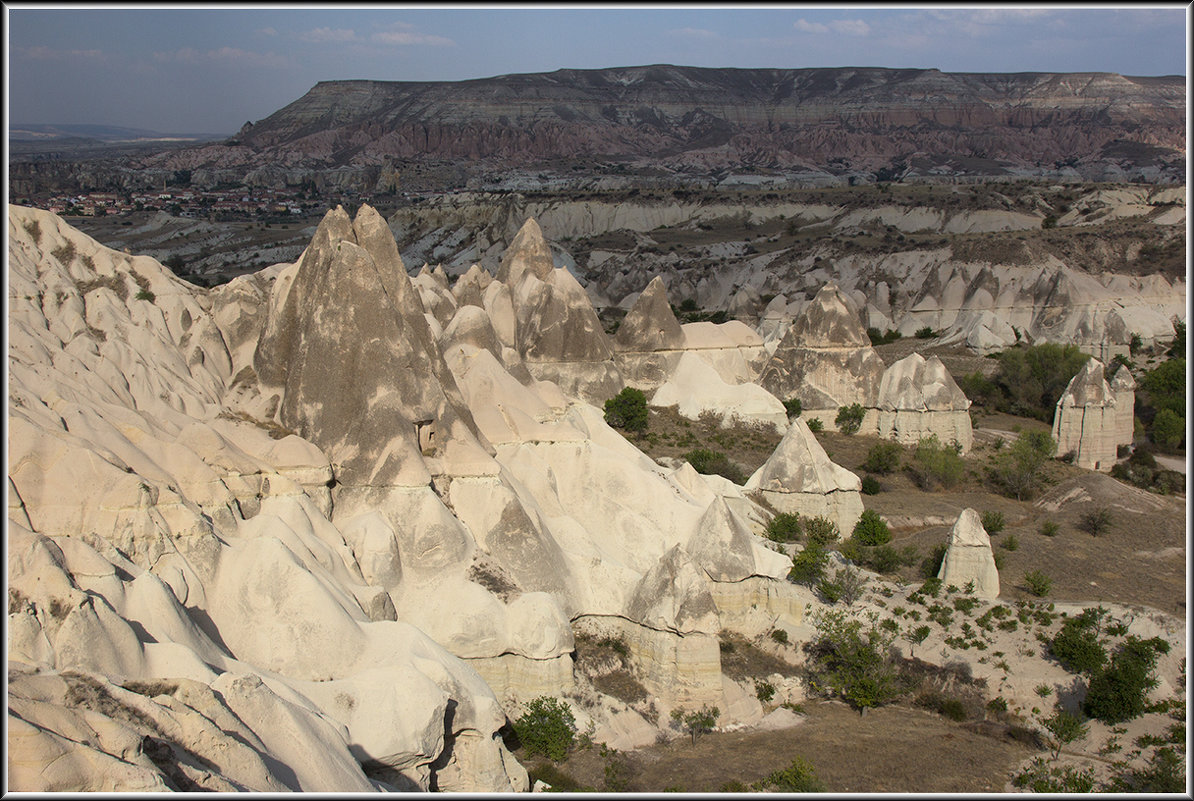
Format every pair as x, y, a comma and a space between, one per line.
891, 749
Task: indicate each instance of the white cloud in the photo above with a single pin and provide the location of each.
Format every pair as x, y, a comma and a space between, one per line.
805, 26
268, 32
403, 33
43, 53
322, 35
225, 55
852, 27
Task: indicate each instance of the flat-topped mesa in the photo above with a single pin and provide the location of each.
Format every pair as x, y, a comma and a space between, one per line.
353, 364
557, 331
825, 359
1124, 388
969, 558
1085, 422
649, 340
799, 477
918, 398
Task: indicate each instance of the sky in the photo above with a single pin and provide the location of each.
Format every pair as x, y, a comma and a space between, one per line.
210, 69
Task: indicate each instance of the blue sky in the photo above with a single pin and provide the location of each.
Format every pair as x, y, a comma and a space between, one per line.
208, 70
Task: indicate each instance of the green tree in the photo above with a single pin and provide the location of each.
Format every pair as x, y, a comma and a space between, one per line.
1178, 347
883, 458
1077, 646
1168, 429
1120, 692
698, 721
1018, 471
799, 777
849, 418
1031, 379
1166, 386
547, 727
821, 530
936, 465
808, 566
785, 527
871, 529
851, 663
627, 410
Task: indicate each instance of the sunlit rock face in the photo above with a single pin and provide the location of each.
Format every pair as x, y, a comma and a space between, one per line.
324, 537
825, 359
968, 558
1123, 386
184, 615
799, 478
918, 398
649, 340
1086, 421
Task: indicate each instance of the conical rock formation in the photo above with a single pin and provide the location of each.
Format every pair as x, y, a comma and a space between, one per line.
649, 339
799, 478
1086, 419
968, 557
919, 398
825, 359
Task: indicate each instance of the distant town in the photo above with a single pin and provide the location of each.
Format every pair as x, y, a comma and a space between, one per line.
218, 205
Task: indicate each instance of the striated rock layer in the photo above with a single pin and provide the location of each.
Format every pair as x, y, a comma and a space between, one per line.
918, 398
1087, 421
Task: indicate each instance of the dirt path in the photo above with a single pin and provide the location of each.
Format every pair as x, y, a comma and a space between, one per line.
1172, 463
891, 749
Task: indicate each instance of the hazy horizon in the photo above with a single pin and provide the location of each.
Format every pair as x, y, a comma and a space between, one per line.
188, 70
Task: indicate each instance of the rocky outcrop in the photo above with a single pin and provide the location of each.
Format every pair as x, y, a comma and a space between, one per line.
825, 359
799, 478
557, 334
918, 398
649, 340
1086, 421
1123, 386
969, 559
696, 388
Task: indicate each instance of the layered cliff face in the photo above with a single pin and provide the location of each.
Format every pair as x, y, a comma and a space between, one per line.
727, 115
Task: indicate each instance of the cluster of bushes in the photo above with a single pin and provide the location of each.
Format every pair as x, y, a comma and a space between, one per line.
714, 463
935, 464
1141, 470
1117, 685
1029, 380
627, 410
851, 663
1019, 470
882, 339
1161, 402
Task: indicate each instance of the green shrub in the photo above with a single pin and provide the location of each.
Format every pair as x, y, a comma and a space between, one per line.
1041, 777
821, 530
1019, 470
870, 485
1010, 542
1120, 692
808, 566
780, 636
547, 727
1049, 529
1095, 521
883, 458
848, 662
1031, 379
764, 691
799, 777
936, 465
785, 527
993, 522
1076, 645
930, 566
849, 418
925, 333
711, 462
698, 721
627, 410
815, 425
1164, 387
871, 529
846, 585
145, 294
1168, 429
1038, 583
792, 407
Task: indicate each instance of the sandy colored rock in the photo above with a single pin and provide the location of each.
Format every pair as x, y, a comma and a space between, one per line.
1086, 419
1123, 386
919, 398
969, 558
825, 359
649, 338
799, 477
695, 387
